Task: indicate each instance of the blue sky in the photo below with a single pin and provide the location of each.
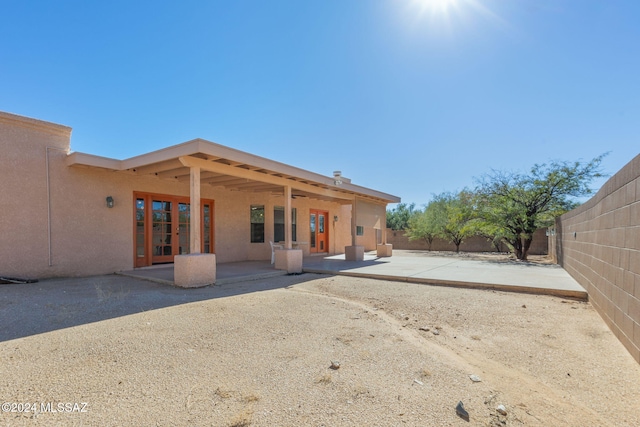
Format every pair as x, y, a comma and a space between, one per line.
404, 96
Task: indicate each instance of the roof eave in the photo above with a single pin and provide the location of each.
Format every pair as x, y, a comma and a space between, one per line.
201, 146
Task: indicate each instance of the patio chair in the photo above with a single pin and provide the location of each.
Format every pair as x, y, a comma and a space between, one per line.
273, 250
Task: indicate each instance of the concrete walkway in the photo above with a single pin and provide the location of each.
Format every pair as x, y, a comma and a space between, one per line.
450, 271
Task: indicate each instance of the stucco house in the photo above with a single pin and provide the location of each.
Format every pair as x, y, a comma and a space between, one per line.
75, 214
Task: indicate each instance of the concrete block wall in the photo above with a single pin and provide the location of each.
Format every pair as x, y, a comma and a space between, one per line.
599, 245
473, 244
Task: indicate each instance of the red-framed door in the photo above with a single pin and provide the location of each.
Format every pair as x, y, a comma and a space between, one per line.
319, 231
162, 228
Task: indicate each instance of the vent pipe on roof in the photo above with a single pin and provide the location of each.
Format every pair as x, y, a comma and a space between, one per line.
337, 177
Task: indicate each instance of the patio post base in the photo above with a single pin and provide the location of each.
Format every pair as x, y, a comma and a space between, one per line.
194, 270
289, 260
354, 253
385, 250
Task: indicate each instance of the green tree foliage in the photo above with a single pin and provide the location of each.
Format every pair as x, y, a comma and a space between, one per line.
459, 216
398, 218
424, 225
448, 216
490, 232
513, 206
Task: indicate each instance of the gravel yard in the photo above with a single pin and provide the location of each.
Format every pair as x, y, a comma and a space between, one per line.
260, 354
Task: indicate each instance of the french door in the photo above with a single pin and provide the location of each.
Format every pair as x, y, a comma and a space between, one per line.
319, 232
163, 228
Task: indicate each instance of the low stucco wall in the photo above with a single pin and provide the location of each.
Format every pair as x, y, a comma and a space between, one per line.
599, 245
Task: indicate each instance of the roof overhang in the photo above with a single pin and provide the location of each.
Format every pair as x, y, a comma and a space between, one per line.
232, 169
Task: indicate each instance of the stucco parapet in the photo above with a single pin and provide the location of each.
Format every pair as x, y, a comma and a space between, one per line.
34, 124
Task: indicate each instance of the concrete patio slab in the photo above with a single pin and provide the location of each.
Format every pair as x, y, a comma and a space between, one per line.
448, 271
226, 273
444, 271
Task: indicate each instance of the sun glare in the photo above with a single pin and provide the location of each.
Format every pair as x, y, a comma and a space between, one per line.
449, 17
436, 5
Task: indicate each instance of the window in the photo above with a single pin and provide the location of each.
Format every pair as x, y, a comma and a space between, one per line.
207, 230
257, 224
278, 224
359, 230
294, 221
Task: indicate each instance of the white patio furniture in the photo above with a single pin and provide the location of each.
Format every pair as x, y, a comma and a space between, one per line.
273, 250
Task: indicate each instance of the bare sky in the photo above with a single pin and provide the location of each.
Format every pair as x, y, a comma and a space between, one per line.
410, 97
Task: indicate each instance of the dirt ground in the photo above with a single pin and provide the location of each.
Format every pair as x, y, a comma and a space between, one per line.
260, 354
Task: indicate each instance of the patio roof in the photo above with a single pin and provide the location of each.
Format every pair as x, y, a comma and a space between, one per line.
233, 169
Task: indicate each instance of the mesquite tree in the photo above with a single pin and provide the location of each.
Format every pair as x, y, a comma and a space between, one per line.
449, 216
518, 204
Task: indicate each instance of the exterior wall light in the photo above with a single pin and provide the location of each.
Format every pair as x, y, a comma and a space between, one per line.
335, 218
110, 202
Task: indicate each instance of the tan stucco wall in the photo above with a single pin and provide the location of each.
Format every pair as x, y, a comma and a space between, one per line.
599, 245
373, 218
103, 237
239, 220
87, 237
23, 191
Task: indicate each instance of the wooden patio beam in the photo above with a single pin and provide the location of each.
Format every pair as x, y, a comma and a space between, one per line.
261, 177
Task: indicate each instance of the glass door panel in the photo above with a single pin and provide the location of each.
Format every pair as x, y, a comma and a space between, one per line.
140, 246
206, 228
312, 222
319, 234
162, 228
184, 233
162, 231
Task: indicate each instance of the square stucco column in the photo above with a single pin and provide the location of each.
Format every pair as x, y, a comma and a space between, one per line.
289, 260
385, 250
194, 270
354, 253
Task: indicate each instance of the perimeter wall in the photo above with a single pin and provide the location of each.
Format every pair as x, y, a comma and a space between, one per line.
599, 245
397, 238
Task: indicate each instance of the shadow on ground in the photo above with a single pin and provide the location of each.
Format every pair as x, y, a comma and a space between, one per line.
49, 305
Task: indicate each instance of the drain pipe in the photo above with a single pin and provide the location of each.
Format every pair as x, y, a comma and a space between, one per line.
49, 199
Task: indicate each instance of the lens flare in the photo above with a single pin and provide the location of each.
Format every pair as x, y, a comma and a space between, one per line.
436, 5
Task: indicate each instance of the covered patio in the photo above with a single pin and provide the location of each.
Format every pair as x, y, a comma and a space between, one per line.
195, 204
201, 171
